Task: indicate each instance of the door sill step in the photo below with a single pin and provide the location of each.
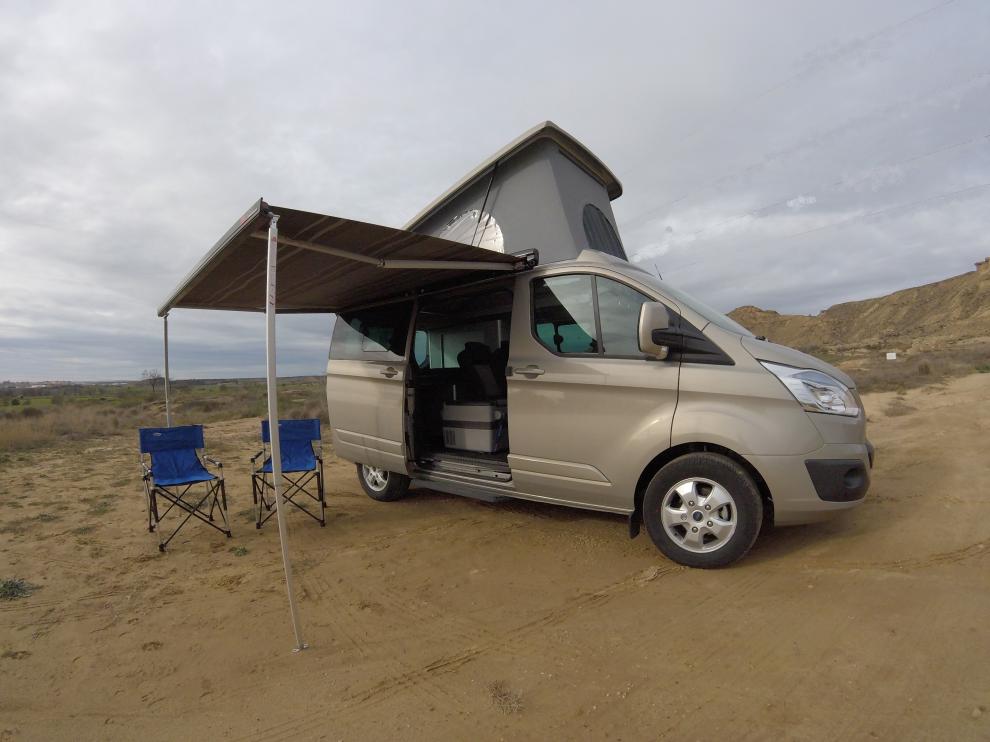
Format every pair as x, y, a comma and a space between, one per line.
465, 467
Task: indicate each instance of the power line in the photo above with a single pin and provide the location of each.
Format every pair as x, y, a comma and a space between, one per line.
909, 206
841, 182
913, 100
809, 69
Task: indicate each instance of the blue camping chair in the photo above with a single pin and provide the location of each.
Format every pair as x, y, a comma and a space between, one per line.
176, 468
302, 468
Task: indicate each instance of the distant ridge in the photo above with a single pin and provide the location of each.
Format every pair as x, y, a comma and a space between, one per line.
934, 316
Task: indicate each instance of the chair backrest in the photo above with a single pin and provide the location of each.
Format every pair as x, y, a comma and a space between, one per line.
293, 430
180, 437
173, 451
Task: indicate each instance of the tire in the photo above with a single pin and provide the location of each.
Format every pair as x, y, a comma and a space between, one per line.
703, 510
381, 485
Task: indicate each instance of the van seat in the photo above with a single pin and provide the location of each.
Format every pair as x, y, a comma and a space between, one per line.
476, 362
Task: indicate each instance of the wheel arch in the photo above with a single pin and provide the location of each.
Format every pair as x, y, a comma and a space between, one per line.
674, 452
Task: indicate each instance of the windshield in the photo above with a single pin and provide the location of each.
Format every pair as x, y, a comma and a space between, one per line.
712, 315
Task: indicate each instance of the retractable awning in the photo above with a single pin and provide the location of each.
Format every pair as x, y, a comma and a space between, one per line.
276, 259
327, 264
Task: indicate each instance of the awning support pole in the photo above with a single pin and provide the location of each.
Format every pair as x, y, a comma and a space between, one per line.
276, 448
168, 407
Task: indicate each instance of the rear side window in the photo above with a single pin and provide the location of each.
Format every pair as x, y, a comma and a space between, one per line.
376, 334
564, 314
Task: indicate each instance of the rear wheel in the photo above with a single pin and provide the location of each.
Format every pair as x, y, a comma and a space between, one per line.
382, 485
703, 510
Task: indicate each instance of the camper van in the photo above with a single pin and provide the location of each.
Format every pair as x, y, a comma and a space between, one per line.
587, 381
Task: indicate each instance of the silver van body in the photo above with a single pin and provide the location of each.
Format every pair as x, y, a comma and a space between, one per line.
586, 381
592, 430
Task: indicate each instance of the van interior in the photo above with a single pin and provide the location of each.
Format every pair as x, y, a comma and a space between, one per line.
456, 388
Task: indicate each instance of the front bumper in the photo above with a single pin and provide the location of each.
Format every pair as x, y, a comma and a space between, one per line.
840, 481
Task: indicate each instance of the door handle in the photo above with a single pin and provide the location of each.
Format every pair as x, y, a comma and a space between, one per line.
388, 372
531, 371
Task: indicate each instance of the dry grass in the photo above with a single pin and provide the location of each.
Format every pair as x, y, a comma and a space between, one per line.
114, 410
20, 432
876, 374
504, 698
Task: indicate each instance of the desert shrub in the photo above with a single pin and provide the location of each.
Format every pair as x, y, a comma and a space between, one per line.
898, 407
504, 698
11, 589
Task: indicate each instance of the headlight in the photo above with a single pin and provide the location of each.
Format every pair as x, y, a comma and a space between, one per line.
815, 391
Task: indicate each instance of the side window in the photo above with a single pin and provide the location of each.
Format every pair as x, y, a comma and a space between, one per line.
421, 348
618, 310
377, 334
600, 233
564, 314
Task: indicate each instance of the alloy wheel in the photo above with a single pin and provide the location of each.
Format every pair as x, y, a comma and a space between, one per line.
699, 515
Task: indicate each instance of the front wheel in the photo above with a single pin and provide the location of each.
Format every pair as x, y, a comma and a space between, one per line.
703, 510
382, 485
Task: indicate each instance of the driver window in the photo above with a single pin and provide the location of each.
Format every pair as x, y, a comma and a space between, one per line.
618, 314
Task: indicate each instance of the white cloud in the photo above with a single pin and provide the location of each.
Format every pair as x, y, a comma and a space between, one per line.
134, 135
799, 202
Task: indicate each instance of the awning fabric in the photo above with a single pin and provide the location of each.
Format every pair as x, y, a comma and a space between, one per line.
328, 264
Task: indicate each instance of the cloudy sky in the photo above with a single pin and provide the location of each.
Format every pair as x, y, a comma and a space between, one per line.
786, 154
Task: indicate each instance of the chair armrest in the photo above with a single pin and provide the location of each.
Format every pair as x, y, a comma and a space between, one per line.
255, 457
216, 462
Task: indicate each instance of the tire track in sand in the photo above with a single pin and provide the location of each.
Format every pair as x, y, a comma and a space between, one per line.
432, 671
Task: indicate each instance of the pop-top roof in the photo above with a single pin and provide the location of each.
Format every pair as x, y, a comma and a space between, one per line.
548, 130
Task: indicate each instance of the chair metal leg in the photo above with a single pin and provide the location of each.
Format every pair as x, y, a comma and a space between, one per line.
154, 507
223, 507
147, 497
323, 499
261, 486
258, 486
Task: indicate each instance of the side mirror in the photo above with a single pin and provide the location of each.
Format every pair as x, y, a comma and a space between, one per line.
653, 317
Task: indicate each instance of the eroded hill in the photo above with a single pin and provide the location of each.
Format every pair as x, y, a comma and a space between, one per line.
933, 317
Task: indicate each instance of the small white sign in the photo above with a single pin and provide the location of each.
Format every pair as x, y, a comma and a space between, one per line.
891, 356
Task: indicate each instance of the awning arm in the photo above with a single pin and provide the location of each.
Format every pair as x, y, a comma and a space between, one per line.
457, 265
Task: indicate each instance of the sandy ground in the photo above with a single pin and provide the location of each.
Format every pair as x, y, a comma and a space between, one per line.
872, 626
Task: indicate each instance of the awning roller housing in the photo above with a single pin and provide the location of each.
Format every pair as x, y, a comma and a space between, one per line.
328, 264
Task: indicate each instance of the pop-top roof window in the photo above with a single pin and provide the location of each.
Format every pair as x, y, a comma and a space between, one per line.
601, 234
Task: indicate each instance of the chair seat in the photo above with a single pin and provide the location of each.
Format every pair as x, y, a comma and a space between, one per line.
288, 466
189, 478
297, 455
178, 466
